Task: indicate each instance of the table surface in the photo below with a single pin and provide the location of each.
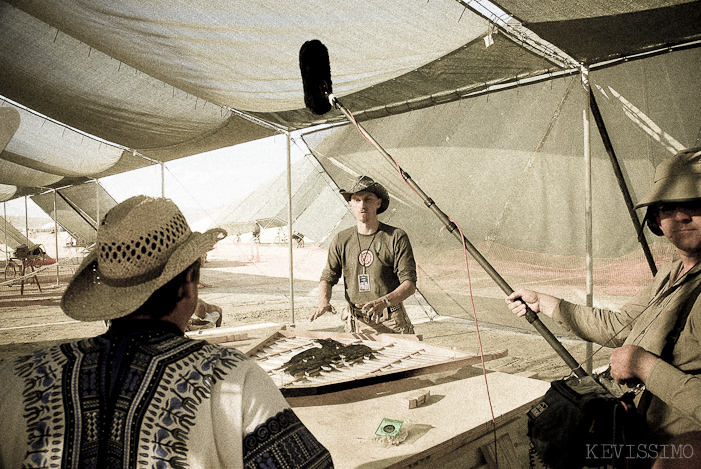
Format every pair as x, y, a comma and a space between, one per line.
454, 408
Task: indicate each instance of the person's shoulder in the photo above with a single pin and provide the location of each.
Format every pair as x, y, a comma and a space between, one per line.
393, 231
345, 234
52, 356
668, 267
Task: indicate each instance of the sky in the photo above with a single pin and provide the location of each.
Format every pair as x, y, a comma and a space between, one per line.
198, 184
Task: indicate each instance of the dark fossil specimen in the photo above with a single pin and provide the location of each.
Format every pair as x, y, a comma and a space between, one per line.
331, 354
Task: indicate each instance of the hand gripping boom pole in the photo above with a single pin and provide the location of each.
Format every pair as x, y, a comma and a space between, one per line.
531, 316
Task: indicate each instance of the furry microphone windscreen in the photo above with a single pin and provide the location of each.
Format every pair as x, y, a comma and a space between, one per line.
316, 76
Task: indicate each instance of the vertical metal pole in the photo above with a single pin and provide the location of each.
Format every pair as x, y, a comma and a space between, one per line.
621, 181
588, 210
289, 224
97, 198
163, 179
26, 220
7, 252
56, 238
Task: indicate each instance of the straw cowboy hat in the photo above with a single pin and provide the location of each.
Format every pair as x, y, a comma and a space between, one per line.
142, 243
367, 184
677, 179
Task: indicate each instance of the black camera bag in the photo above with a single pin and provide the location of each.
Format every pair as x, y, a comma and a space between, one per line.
579, 423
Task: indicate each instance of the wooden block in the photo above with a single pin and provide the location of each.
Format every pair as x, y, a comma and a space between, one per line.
505, 457
417, 400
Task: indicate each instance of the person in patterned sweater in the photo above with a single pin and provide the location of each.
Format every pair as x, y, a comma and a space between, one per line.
143, 394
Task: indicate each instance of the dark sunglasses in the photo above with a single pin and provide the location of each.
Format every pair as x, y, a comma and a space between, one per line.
690, 205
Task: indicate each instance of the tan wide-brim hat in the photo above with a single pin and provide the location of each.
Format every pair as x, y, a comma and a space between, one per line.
367, 184
142, 244
677, 179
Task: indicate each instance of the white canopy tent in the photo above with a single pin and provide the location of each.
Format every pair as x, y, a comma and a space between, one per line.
167, 80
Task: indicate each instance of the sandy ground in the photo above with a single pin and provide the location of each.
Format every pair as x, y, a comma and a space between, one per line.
251, 284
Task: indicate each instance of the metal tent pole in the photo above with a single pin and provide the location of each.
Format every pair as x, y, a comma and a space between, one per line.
97, 198
4, 209
289, 224
56, 238
26, 220
163, 179
621, 182
530, 316
589, 247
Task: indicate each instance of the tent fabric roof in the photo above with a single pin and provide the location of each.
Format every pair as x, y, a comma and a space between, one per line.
592, 34
100, 83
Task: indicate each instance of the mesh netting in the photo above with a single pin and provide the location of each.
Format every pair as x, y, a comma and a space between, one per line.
509, 169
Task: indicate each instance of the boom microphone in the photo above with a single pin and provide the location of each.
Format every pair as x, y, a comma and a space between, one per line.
316, 76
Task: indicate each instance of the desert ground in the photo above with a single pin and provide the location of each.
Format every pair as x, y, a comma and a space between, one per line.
250, 282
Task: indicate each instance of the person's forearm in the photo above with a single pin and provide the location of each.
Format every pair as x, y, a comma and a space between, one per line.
401, 293
548, 303
325, 289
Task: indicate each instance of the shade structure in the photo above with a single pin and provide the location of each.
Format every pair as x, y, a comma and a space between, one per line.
482, 100
112, 87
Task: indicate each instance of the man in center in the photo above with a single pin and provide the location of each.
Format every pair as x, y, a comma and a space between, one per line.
377, 264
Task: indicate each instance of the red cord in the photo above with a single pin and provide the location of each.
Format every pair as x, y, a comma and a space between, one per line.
474, 314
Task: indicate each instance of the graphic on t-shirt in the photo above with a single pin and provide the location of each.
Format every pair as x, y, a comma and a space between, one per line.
365, 258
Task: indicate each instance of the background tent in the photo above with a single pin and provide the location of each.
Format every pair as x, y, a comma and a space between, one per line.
77, 209
11, 237
316, 204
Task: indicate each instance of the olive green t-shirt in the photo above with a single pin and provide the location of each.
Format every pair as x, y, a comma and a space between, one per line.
387, 260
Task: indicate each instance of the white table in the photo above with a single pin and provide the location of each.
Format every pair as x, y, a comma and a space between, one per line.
450, 429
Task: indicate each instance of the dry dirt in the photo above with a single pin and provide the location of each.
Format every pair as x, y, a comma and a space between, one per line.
250, 283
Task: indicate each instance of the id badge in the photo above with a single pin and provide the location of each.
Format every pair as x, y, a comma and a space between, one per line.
364, 282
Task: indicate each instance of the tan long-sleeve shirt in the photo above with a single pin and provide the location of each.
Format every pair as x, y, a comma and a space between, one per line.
646, 321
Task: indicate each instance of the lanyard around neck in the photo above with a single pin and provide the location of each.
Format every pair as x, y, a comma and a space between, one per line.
357, 235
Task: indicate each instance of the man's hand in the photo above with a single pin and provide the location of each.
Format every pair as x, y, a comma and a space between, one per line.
323, 309
373, 308
631, 364
536, 301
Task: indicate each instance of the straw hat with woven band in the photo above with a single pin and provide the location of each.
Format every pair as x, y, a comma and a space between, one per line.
677, 179
367, 184
142, 244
